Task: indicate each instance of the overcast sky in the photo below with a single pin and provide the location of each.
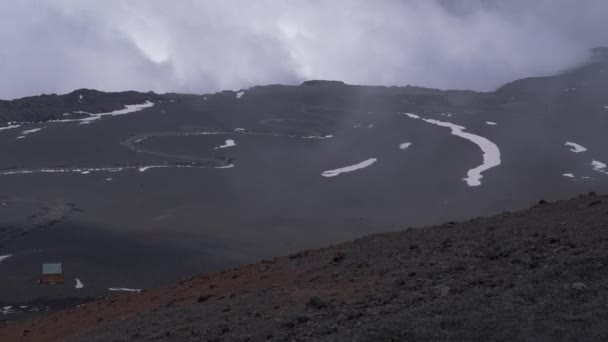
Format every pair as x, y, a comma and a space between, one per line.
204, 45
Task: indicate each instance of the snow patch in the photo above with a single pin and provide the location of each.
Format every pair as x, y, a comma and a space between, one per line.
361, 165
413, 116
240, 94
491, 152
405, 145
5, 310
329, 136
9, 127
574, 147
145, 168
491, 123
599, 166
4, 257
79, 284
569, 175
229, 143
30, 131
96, 116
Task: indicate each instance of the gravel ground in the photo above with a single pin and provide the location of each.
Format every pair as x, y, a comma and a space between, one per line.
538, 274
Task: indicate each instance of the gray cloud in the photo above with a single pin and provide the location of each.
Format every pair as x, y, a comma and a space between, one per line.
202, 46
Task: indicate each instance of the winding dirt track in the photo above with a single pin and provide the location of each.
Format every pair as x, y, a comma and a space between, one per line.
134, 143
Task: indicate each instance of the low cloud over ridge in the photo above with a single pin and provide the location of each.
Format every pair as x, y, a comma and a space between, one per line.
204, 46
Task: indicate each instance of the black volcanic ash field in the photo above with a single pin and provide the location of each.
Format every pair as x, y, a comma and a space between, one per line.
182, 184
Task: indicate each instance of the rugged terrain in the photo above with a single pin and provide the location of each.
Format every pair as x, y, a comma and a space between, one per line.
533, 275
134, 190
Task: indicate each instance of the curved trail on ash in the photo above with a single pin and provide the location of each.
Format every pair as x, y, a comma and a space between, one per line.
134, 143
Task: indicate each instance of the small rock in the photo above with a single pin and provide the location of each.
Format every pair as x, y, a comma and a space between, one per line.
579, 286
338, 257
316, 303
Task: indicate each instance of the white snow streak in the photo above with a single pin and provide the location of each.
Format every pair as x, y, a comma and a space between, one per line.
413, 116
29, 131
491, 123
599, 166
4, 257
574, 147
79, 284
229, 143
405, 145
569, 175
329, 136
96, 116
361, 165
240, 94
491, 152
9, 127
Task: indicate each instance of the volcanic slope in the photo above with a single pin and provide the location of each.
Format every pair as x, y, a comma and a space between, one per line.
538, 274
132, 190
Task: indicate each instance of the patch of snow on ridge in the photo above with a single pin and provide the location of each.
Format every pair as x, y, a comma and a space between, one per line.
128, 109
491, 152
569, 175
413, 116
79, 284
491, 123
4, 257
405, 145
95, 169
123, 289
143, 169
96, 116
240, 94
574, 147
329, 136
9, 127
361, 165
29, 131
229, 143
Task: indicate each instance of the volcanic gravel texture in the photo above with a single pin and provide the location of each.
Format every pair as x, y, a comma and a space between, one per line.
536, 275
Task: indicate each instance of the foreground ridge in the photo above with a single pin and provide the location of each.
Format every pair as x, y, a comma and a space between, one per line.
537, 274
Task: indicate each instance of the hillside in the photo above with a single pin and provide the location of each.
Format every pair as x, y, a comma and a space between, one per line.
538, 274
134, 190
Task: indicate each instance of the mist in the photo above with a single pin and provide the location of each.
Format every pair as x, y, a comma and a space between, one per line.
203, 46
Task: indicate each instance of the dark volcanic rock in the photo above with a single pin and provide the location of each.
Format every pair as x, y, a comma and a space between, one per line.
50, 107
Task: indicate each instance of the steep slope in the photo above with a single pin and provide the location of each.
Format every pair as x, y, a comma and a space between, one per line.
538, 274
